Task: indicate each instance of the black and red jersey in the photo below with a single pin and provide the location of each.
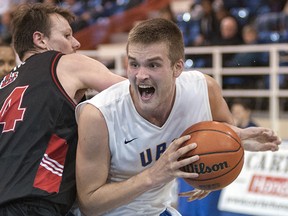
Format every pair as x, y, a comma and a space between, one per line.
38, 134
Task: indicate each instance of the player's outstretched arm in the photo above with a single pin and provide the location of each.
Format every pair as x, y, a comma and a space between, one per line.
258, 139
78, 72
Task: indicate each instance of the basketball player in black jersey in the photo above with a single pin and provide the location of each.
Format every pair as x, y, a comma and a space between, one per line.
38, 132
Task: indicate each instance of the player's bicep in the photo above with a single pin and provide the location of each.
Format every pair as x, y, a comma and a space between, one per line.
219, 107
90, 73
93, 155
97, 76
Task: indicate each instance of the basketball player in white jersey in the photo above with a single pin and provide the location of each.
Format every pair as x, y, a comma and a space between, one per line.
129, 134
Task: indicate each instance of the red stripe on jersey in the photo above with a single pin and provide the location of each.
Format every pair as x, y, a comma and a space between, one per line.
56, 81
49, 174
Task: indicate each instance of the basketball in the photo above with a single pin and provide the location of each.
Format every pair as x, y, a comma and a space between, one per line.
221, 155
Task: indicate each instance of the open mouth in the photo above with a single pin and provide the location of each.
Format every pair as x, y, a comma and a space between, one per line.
146, 91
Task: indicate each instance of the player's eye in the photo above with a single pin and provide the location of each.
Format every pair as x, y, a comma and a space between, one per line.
133, 64
154, 65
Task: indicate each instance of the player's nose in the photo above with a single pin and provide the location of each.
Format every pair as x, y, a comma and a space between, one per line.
76, 44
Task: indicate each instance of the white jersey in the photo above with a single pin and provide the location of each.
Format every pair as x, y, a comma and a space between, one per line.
136, 144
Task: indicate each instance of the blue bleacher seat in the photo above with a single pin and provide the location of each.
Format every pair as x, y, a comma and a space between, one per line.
242, 15
272, 27
189, 27
272, 21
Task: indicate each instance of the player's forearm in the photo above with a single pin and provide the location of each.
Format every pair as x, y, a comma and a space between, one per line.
113, 195
258, 138
239, 132
242, 135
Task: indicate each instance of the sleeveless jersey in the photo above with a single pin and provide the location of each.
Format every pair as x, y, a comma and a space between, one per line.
135, 144
38, 134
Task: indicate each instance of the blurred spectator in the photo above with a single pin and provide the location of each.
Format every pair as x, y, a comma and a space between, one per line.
188, 22
253, 7
5, 27
272, 27
7, 59
167, 13
241, 112
247, 59
230, 33
95, 9
220, 10
277, 6
79, 10
209, 24
53, 2
76, 7
204, 29
249, 34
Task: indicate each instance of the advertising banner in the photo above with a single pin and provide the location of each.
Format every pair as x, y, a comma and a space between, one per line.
262, 186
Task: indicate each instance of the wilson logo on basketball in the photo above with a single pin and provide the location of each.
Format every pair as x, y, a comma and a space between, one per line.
201, 168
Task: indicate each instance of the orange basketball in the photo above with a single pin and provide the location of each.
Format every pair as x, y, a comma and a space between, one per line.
221, 155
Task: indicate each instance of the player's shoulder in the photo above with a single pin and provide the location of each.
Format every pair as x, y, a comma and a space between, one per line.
74, 57
113, 93
74, 62
191, 76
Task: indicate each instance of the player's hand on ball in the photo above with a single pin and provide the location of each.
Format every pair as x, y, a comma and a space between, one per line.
195, 194
259, 139
167, 167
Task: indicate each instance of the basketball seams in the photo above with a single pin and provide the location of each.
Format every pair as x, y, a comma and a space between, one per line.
214, 130
220, 152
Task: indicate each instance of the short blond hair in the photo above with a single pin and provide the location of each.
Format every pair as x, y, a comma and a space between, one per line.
159, 30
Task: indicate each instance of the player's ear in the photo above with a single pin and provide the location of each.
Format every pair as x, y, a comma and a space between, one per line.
178, 67
39, 40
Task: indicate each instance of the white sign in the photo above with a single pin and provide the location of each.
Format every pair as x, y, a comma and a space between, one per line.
262, 186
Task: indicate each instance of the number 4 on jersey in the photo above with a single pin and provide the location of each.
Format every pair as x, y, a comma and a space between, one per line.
11, 110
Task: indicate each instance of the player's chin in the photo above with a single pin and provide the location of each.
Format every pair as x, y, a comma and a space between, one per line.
148, 106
